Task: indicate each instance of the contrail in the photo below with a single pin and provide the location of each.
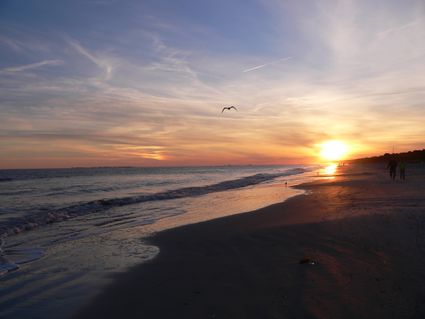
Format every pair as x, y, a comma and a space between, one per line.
25, 67
399, 28
266, 64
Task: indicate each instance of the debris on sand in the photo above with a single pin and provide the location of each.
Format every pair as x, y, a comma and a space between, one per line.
308, 261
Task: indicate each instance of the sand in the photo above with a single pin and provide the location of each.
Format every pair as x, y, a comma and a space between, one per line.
366, 233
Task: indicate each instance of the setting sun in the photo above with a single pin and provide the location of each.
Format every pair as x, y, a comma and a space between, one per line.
333, 150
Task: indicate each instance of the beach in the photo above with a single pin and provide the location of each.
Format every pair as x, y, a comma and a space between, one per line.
212, 159
362, 233
66, 232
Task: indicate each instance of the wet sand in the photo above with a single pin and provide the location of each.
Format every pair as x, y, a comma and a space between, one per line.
366, 233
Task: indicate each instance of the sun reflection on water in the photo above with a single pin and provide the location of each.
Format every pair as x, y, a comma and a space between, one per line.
330, 169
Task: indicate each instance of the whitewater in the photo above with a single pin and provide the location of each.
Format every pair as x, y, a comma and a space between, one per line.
64, 231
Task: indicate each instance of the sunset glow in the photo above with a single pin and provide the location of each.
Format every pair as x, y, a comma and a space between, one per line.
148, 89
333, 150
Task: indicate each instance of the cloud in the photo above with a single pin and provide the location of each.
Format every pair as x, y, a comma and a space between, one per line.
31, 66
397, 29
103, 62
15, 45
266, 64
158, 92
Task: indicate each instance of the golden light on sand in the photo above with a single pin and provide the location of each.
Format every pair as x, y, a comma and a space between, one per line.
333, 150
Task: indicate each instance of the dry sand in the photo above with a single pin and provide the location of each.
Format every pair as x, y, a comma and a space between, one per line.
366, 232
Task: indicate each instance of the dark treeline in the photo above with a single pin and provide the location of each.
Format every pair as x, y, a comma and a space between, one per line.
417, 156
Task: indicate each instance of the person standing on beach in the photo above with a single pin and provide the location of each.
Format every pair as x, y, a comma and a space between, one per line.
392, 165
402, 166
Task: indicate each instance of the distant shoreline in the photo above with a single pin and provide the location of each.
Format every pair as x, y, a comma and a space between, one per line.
149, 167
417, 156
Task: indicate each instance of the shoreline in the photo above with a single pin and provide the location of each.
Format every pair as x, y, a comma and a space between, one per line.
83, 260
367, 247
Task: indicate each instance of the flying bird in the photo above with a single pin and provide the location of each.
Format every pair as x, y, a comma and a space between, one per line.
228, 108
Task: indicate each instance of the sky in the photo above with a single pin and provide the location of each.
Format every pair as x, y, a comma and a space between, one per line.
143, 83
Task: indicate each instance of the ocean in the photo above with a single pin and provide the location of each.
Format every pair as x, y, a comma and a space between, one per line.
65, 232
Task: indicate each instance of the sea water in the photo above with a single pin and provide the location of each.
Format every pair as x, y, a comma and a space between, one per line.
63, 232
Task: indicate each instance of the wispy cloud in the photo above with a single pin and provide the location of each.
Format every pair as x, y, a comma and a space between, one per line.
257, 67
396, 29
174, 67
10, 43
102, 62
31, 66
154, 90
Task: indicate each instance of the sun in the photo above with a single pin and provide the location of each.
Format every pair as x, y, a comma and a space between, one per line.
333, 150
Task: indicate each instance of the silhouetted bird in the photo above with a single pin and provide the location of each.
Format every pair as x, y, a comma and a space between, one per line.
228, 108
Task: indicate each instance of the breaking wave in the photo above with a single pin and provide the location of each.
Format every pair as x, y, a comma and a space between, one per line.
18, 224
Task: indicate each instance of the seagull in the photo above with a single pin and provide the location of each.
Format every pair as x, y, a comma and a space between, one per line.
228, 108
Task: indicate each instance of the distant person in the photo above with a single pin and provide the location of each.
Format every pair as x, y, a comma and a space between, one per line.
402, 167
392, 165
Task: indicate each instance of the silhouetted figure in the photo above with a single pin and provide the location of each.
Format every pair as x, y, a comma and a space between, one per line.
402, 167
228, 108
392, 165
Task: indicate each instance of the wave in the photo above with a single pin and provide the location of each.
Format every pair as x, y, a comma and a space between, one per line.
17, 225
